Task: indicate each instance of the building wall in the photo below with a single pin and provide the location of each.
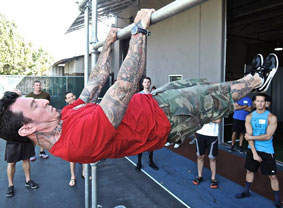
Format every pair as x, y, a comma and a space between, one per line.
187, 44
74, 67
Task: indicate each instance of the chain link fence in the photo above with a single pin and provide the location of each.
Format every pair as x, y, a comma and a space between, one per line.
56, 86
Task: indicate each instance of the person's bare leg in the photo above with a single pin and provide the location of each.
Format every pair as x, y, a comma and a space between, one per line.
212, 163
26, 167
116, 99
240, 88
11, 169
274, 182
234, 136
241, 137
73, 176
200, 160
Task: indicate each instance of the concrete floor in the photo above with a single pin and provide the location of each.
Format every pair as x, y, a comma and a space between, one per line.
118, 184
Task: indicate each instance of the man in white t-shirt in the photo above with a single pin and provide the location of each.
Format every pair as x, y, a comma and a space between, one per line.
207, 139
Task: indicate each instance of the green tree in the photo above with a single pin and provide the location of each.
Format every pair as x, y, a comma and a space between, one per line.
18, 57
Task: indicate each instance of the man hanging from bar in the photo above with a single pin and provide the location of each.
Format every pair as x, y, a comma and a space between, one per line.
123, 123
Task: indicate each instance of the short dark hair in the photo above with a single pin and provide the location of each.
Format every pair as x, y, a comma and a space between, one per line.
67, 94
11, 122
146, 78
261, 95
36, 81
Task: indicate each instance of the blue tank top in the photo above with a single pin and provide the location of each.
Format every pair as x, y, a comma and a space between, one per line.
259, 122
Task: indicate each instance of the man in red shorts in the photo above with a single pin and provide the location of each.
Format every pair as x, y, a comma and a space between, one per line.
124, 123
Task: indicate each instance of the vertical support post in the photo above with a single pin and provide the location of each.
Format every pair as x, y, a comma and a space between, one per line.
94, 185
86, 72
86, 185
94, 55
86, 56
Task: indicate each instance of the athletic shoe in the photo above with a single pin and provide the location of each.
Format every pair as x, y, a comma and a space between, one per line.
241, 150
267, 71
153, 166
197, 180
33, 158
176, 146
43, 155
138, 167
213, 184
10, 191
231, 149
278, 204
193, 141
31, 184
167, 144
255, 65
243, 195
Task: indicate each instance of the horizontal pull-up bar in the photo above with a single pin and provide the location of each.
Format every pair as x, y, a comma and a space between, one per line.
161, 14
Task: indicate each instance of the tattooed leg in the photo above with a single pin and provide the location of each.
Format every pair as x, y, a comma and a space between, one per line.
116, 99
240, 88
100, 72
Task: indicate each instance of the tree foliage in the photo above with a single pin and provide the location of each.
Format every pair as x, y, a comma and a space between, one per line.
18, 57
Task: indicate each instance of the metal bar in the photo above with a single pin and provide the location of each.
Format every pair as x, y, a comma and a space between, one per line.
82, 5
94, 54
86, 56
86, 72
94, 185
165, 12
86, 185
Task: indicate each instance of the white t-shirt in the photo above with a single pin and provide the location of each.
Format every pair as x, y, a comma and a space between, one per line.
209, 129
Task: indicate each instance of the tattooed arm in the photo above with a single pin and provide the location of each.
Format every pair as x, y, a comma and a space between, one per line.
100, 72
116, 99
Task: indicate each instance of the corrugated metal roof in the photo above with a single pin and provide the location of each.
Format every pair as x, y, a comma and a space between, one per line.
105, 8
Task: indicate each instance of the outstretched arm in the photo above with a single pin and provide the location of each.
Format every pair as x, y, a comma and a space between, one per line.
116, 99
100, 72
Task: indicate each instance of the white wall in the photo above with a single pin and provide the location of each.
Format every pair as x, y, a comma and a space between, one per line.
188, 44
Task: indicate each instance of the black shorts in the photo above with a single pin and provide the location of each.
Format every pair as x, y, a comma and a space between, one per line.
18, 151
238, 126
267, 166
207, 142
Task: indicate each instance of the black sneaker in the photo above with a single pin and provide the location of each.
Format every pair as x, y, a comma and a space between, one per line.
138, 167
31, 184
231, 149
241, 150
278, 204
267, 71
10, 191
243, 195
153, 166
43, 155
255, 65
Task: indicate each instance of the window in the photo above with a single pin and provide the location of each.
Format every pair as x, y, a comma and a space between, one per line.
175, 77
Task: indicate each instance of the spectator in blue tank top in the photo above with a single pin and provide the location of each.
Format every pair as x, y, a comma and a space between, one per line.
260, 126
242, 108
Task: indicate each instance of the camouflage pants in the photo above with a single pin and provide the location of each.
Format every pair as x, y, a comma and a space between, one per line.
188, 104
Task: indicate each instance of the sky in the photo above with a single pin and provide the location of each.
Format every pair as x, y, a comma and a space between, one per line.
44, 23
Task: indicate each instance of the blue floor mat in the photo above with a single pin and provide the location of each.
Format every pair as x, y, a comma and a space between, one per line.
177, 172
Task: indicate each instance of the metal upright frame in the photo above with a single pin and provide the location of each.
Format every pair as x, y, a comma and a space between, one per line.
165, 12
